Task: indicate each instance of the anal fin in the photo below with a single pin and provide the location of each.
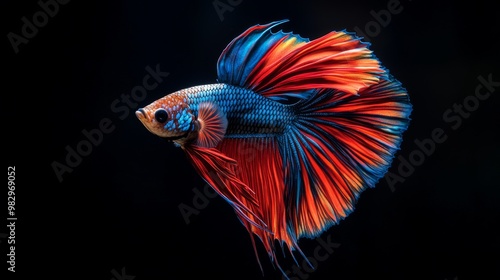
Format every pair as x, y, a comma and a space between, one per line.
215, 168
260, 166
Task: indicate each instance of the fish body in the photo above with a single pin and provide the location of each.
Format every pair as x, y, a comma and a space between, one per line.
249, 114
292, 132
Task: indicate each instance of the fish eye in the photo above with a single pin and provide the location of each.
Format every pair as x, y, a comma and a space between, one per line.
161, 115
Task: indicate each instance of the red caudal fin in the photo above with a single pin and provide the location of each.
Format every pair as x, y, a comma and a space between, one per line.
277, 63
339, 145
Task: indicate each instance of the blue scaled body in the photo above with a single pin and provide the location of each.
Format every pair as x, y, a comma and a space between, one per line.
249, 114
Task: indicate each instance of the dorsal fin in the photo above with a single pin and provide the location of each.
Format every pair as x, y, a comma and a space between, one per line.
241, 56
278, 63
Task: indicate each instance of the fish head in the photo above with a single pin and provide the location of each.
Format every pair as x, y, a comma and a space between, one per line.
168, 117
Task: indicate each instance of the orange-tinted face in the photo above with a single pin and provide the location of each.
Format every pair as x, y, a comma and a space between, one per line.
168, 117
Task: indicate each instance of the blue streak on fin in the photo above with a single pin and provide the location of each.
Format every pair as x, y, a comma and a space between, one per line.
243, 53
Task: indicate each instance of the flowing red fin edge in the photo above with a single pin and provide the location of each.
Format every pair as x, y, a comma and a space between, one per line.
260, 166
216, 169
212, 125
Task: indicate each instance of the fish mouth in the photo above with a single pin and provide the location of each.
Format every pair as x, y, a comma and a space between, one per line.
143, 118
140, 114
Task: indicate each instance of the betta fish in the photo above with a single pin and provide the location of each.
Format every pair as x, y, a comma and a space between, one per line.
292, 131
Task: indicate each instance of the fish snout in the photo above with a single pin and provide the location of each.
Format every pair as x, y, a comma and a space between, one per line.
140, 114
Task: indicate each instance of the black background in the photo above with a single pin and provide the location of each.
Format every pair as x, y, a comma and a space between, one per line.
118, 208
